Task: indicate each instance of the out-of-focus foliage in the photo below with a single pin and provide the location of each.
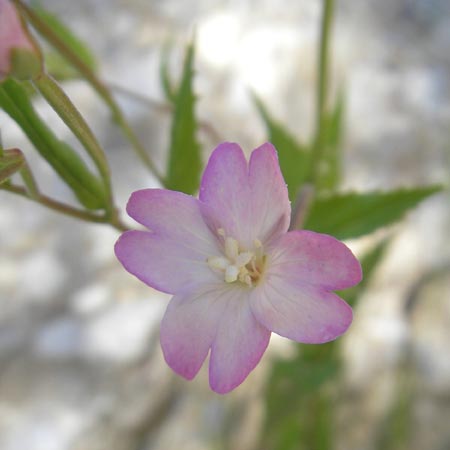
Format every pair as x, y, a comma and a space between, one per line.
299, 399
328, 172
369, 262
184, 163
16, 101
164, 75
293, 156
11, 161
55, 61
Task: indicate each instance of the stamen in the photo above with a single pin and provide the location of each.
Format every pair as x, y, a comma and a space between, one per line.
231, 248
237, 264
244, 258
218, 262
231, 274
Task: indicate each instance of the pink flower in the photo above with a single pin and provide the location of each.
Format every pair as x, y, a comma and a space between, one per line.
235, 271
14, 37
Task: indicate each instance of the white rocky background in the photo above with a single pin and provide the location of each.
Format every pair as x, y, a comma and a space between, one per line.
80, 363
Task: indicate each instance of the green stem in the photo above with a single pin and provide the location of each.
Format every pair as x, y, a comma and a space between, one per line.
96, 84
62, 208
61, 103
322, 84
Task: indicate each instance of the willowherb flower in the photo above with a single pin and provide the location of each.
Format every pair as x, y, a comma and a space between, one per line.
19, 55
235, 271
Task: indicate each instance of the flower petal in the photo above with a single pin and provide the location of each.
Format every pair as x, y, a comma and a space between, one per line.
314, 258
172, 214
271, 209
302, 313
249, 201
225, 192
238, 345
163, 263
188, 328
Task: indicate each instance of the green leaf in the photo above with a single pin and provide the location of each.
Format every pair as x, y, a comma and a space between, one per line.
11, 161
329, 169
369, 262
55, 62
293, 157
166, 82
184, 165
89, 190
351, 215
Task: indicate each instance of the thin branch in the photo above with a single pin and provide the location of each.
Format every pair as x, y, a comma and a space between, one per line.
66, 209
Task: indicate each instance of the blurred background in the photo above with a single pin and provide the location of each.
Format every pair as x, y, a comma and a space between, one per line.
80, 362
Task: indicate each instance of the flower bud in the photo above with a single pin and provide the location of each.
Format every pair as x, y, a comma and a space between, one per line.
19, 55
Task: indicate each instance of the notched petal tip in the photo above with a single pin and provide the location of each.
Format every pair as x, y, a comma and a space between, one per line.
267, 148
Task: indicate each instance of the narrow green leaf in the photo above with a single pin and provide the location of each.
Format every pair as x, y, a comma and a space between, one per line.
369, 262
166, 82
351, 215
56, 64
11, 161
14, 99
184, 165
293, 157
329, 169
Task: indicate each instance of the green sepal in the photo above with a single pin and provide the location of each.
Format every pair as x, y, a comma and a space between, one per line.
26, 64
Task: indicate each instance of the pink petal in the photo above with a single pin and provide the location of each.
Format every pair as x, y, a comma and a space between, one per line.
248, 201
238, 345
271, 209
175, 215
188, 328
313, 258
164, 263
226, 193
302, 313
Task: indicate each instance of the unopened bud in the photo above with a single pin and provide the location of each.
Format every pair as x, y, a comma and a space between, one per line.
20, 56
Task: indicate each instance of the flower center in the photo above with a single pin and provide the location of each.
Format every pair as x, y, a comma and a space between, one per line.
237, 264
